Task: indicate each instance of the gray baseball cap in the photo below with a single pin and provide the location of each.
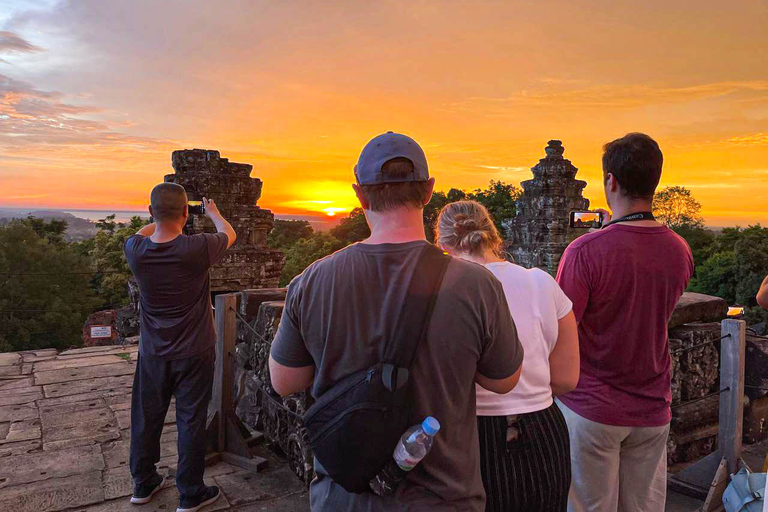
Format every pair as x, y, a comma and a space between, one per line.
382, 149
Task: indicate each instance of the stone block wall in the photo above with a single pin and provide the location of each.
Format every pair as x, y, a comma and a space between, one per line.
258, 405
695, 374
540, 231
249, 263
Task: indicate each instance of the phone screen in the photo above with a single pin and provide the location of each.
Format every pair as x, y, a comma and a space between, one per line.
586, 219
196, 207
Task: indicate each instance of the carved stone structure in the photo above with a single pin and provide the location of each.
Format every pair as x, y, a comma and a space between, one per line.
258, 405
540, 231
250, 263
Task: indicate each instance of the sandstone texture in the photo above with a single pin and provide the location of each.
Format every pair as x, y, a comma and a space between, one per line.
250, 263
540, 232
697, 307
64, 443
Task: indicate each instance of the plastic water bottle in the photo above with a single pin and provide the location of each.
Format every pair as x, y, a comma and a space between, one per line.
410, 450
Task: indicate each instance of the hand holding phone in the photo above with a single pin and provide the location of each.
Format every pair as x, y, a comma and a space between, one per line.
196, 207
588, 219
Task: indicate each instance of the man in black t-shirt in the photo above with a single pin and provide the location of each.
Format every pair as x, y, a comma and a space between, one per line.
340, 311
176, 352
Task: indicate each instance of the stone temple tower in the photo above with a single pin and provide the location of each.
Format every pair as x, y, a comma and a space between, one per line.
250, 263
540, 232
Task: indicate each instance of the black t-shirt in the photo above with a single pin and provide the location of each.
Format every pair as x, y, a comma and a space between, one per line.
175, 292
337, 316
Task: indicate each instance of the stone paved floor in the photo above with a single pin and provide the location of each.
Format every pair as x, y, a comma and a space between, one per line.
64, 440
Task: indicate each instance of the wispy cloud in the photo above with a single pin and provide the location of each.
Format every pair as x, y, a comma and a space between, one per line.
30, 116
12, 43
505, 168
26, 196
710, 185
606, 96
753, 139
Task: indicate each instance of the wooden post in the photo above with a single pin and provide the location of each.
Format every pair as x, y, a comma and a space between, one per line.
699, 478
231, 440
732, 350
226, 332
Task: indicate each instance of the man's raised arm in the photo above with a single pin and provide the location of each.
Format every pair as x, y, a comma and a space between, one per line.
222, 226
147, 230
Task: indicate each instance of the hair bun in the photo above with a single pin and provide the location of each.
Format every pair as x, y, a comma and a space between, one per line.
467, 226
464, 225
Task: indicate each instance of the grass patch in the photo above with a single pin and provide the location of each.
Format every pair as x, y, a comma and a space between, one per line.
124, 355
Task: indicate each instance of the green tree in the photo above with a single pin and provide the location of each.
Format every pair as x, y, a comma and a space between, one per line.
285, 233
107, 260
53, 230
45, 294
737, 266
306, 251
108, 224
432, 209
680, 211
700, 240
352, 228
501, 201
677, 208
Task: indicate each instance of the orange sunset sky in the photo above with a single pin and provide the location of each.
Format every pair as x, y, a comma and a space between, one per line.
95, 94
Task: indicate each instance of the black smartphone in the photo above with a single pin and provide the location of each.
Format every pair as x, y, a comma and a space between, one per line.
196, 207
586, 219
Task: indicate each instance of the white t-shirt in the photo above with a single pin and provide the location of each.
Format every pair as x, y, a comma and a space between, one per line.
536, 303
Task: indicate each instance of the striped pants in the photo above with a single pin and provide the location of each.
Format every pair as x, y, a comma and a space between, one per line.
532, 471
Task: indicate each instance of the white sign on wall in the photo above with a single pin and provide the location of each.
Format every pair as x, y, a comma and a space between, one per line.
101, 331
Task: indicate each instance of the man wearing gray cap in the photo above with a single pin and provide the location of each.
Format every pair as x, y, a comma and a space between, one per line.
340, 312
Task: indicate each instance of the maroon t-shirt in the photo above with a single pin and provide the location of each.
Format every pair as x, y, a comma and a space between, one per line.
624, 282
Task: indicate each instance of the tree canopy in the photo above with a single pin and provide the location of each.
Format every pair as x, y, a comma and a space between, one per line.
677, 208
104, 253
45, 293
735, 269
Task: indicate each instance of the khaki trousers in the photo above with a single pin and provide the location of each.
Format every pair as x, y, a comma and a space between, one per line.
616, 469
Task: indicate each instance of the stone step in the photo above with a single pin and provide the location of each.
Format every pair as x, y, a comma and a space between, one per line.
54, 494
84, 373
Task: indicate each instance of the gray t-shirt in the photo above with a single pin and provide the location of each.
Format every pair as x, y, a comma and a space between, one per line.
175, 292
337, 316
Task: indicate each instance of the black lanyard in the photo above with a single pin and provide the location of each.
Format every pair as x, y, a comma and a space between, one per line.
632, 217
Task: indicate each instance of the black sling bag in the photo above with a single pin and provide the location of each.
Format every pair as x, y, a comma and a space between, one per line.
354, 427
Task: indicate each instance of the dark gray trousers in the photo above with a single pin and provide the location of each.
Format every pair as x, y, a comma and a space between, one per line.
154, 382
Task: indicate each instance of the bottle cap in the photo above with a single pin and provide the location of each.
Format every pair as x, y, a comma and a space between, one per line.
430, 426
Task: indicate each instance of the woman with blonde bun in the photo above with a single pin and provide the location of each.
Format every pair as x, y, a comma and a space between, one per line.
524, 445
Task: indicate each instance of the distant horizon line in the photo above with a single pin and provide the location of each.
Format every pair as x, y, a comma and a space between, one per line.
312, 216
318, 215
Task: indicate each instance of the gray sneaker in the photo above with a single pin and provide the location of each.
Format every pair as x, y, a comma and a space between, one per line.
143, 493
208, 496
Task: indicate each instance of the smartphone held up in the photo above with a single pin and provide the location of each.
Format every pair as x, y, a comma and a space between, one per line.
586, 219
196, 207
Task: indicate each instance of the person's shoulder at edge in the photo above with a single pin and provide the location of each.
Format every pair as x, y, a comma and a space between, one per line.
133, 239
465, 273
682, 241
540, 276
320, 264
589, 238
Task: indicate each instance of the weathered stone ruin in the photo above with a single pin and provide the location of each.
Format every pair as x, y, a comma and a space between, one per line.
257, 403
250, 263
540, 232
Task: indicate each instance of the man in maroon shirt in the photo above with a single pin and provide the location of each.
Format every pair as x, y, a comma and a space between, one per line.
624, 281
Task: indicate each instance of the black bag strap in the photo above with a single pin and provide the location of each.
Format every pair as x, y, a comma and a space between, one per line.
413, 324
